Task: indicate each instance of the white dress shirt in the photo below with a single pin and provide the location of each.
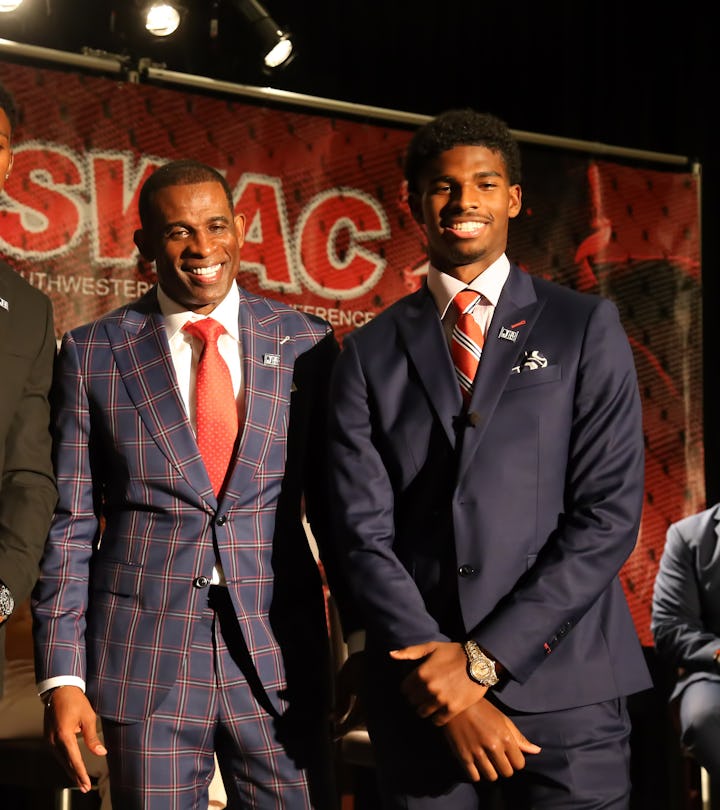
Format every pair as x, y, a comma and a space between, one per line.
185, 350
489, 284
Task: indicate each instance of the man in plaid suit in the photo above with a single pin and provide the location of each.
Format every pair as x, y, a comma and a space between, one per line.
191, 623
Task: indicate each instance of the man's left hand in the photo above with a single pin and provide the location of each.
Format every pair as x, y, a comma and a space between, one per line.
439, 688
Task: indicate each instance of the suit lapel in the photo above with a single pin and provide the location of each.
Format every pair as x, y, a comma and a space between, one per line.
421, 328
516, 311
268, 364
142, 356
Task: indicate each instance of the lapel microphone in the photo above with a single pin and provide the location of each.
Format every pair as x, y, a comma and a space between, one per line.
465, 420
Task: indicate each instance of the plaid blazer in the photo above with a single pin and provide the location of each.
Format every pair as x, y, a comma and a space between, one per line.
137, 523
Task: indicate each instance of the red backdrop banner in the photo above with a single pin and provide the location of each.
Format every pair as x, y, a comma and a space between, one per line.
329, 231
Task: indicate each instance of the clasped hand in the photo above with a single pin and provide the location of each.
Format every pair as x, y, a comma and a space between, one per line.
485, 741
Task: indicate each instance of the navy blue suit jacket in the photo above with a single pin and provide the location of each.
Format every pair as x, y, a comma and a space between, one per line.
686, 598
508, 526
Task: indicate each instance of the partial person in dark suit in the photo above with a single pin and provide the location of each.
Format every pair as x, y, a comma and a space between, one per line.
686, 630
187, 612
483, 531
27, 350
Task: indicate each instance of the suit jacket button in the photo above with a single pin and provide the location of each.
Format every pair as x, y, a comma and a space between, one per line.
466, 570
222, 520
201, 582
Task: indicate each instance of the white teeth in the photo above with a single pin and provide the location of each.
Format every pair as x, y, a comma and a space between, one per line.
466, 226
205, 271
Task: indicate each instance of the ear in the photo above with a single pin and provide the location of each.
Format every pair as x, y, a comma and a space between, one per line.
239, 221
143, 245
515, 201
415, 204
10, 164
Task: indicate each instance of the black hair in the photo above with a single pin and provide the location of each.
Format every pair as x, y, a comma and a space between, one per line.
461, 128
7, 104
178, 173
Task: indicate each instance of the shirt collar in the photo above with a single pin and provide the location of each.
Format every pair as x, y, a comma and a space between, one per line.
489, 283
176, 316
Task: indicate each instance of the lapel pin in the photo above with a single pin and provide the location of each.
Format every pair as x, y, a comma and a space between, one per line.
285, 339
508, 334
4, 304
271, 359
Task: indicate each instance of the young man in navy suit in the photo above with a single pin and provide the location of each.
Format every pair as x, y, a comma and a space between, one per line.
483, 516
188, 611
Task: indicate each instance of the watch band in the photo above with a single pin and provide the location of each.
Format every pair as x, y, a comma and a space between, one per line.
480, 668
7, 603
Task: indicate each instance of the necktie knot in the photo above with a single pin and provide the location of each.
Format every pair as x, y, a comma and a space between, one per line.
465, 301
207, 329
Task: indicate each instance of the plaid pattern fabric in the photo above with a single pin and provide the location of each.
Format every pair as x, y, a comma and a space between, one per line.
138, 526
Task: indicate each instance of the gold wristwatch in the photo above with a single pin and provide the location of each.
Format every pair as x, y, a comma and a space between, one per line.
480, 668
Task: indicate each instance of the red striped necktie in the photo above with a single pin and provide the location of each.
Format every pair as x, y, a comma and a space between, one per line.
216, 406
467, 341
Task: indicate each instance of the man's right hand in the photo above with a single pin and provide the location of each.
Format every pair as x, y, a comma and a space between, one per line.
69, 713
487, 743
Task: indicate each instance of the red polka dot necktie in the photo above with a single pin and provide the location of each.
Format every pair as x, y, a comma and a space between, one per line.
467, 341
216, 407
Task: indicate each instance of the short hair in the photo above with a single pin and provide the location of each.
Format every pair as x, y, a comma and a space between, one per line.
178, 173
7, 104
464, 127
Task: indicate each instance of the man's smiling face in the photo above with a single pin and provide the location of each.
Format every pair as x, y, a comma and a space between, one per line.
195, 241
464, 202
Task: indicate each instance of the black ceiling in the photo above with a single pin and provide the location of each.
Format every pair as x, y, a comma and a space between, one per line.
627, 73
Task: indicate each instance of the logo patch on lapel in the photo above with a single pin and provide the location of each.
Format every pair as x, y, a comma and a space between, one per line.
271, 359
508, 334
4, 304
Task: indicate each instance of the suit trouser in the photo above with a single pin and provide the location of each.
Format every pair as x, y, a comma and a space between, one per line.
700, 723
218, 705
584, 765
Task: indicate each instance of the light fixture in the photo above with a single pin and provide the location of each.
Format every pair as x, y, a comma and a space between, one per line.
9, 5
161, 19
277, 47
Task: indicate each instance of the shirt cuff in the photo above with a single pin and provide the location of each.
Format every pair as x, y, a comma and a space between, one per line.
60, 680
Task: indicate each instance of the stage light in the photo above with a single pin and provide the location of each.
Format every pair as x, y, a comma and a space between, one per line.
276, 45
162, 19
9, 5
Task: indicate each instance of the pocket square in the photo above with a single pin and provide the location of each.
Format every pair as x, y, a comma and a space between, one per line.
529, 361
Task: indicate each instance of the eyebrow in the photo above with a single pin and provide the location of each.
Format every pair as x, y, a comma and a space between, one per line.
476, 175
184, 224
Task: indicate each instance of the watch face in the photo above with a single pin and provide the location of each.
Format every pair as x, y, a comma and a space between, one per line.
483, 671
